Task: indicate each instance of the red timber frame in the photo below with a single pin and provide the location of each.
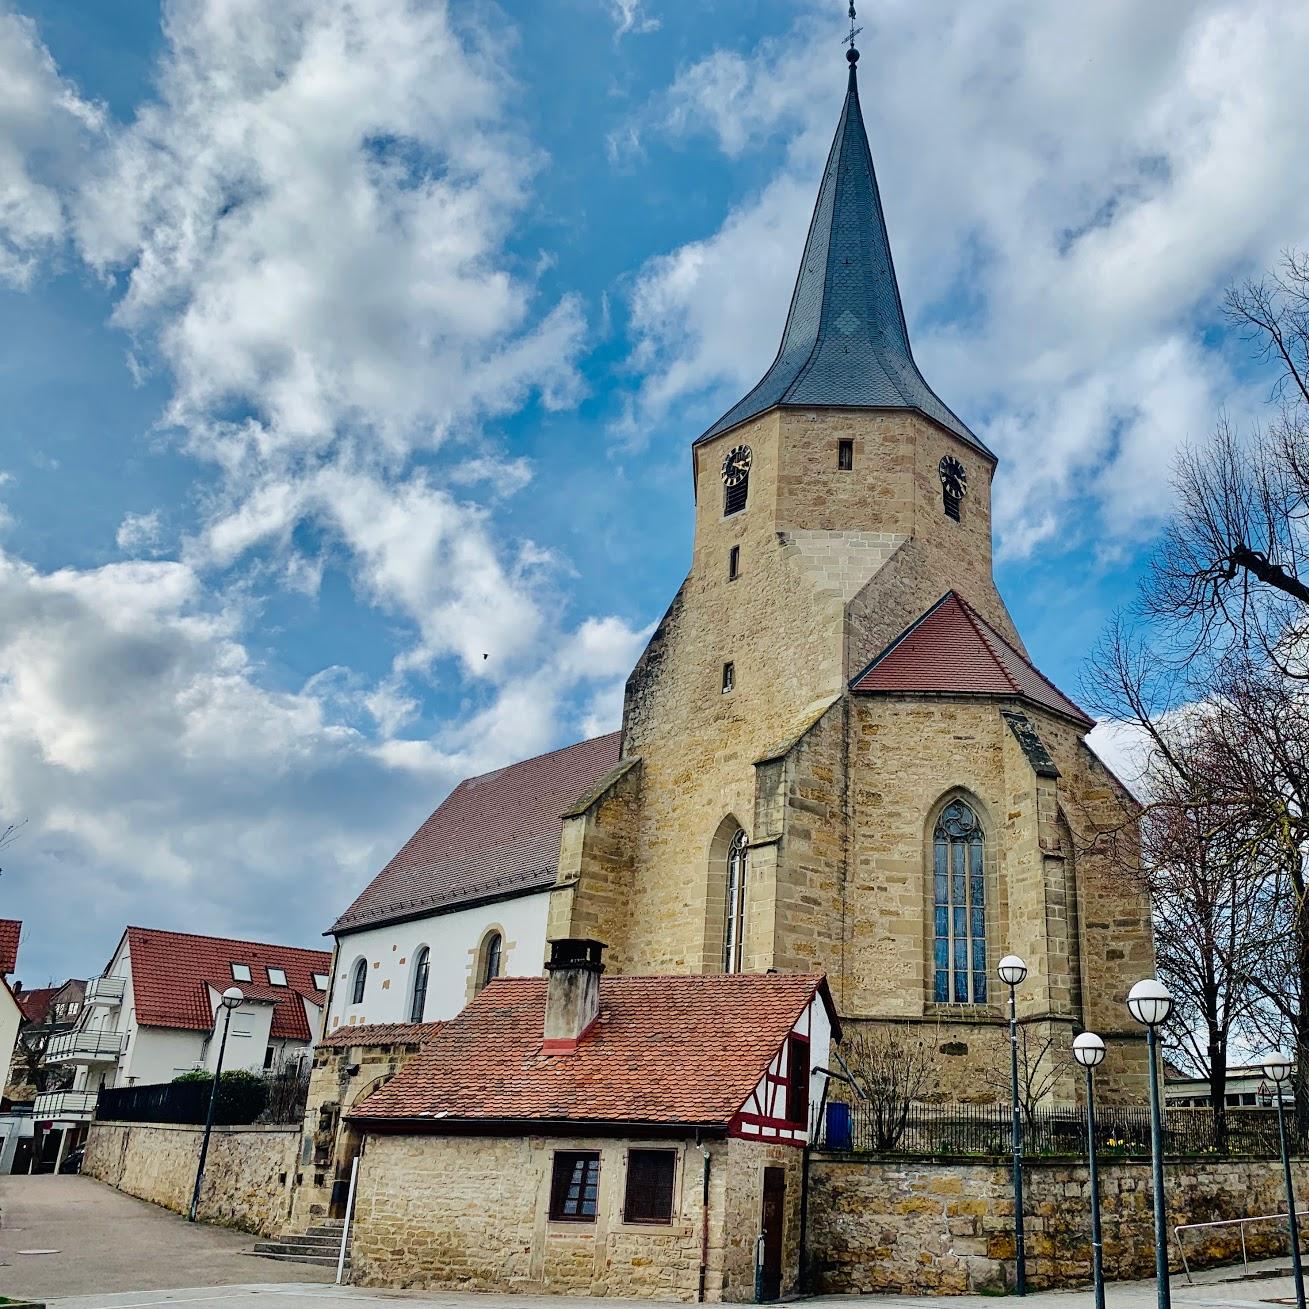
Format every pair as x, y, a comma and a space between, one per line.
763, 1116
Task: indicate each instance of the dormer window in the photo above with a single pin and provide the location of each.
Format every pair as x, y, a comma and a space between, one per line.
276, 977
320, 981
240, 972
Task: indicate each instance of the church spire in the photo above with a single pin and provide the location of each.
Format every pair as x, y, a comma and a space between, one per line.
846, 344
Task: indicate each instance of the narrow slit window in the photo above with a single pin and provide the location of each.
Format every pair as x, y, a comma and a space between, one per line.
729, 677
734, 563
845, 455
734, 923
361, 981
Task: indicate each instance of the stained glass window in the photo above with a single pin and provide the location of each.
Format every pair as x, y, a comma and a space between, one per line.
959, 908
734, 933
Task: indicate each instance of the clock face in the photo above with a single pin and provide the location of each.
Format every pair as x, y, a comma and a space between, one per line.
954, 478
736, 466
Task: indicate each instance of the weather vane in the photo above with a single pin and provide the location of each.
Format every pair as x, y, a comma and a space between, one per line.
854, 31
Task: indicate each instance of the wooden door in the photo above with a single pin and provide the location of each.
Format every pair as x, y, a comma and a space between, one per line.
774, 1224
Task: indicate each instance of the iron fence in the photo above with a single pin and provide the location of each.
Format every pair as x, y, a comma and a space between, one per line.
188, 1102
963, 1130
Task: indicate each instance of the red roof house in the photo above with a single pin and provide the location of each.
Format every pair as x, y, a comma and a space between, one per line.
10, 930
609, 1135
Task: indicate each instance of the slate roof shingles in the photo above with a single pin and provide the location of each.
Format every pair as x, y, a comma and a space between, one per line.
492, 835
683, 1049
952, 649
172, 973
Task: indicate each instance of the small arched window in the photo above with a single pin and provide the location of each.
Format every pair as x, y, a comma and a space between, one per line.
361, 980
734, 929
419, 1001
492, 951
959, 910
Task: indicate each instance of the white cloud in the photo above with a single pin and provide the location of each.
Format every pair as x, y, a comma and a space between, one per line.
140, 534
43, 124
629, 16
1067, 194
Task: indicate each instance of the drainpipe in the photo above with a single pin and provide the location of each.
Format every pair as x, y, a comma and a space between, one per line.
704, 1217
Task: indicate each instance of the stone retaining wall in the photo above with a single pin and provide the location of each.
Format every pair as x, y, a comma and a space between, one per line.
247, 1176
898, 1225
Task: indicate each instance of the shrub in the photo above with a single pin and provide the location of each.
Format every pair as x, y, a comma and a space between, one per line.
242, 1095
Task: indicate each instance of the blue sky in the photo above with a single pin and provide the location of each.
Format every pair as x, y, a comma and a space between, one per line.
350, 341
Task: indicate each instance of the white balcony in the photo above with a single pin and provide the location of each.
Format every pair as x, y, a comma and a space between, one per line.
92, 1047
105, 990
70, 1106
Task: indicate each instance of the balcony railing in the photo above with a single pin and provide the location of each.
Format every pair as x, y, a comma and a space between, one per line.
92, 1047
105, 990
73, 1105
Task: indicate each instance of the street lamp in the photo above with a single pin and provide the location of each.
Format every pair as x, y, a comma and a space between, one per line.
232, 997
1088, 1050
1150, 1004
1278, 1071
1012, 971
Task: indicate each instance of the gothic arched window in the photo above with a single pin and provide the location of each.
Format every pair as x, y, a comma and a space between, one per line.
361, 979
492, 953
734, 930
959, 913
422, 966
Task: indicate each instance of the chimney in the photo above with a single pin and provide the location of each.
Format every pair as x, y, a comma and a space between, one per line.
572, 996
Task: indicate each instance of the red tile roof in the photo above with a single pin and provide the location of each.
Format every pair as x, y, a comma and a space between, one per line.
36, 1004
10, 929
664, 1050
371, 1034
492, 835
173, 971
953, 650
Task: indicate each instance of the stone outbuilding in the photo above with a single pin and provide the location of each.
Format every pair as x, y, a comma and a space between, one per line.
644, 1137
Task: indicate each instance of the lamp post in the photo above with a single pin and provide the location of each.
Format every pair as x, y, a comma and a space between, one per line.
1278, 1071
1150, 1004
1012, 970
1088, 1050
232, 997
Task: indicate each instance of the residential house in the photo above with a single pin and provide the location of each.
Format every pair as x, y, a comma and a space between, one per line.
466, 898
13, 1127
47, 1011
154, 1013
627, 1138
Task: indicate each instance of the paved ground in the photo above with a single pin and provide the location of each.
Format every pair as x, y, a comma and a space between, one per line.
1252, 1294
108, 1242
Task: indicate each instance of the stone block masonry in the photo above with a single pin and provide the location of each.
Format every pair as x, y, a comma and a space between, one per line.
946, 1228
248, 1173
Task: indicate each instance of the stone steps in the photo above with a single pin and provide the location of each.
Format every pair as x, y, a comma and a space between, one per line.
319, 1244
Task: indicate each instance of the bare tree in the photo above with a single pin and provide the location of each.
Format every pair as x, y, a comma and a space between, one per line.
892, 1067
1042, 1061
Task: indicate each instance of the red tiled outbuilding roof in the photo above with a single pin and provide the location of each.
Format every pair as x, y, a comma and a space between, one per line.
493, 835
663, 1050
173, 971
10, 930
373, 1034
953, 650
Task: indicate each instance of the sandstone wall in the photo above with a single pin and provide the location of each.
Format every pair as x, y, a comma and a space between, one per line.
247, 1174
885, 1225
444, 1212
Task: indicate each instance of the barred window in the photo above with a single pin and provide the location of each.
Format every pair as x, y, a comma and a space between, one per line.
649, 1196
959, 928
575, 1186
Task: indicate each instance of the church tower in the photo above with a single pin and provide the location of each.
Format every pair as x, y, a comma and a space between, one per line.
835, 750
